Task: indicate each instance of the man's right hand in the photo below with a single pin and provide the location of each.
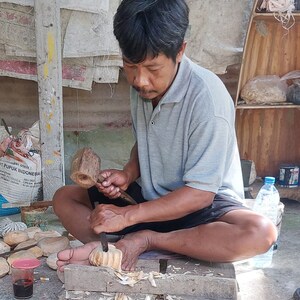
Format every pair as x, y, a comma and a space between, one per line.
114, 180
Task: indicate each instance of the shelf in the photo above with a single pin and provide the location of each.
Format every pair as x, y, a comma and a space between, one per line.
268, 134
269, 16
248, 106
269, 50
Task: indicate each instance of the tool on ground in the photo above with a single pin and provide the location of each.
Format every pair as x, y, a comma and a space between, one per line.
85, 171
8, 253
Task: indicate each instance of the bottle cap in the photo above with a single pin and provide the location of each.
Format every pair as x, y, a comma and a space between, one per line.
270, 180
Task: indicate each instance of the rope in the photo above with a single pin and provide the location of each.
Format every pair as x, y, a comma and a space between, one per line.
282, 10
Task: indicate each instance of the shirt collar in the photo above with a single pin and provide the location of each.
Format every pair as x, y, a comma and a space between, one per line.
180, 84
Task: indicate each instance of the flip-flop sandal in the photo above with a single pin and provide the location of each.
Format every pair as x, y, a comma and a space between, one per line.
296, 295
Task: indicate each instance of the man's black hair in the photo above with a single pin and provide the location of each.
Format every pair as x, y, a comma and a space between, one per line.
150, 27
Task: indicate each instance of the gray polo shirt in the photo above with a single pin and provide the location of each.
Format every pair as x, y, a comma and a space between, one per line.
189, 138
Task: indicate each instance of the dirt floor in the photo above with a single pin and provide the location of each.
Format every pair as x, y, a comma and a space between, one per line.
277, 282
283, 278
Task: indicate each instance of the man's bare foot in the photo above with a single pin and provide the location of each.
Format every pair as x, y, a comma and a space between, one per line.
132, 245
79, 255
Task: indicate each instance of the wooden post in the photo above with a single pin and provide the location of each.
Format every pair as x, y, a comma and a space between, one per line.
49, 68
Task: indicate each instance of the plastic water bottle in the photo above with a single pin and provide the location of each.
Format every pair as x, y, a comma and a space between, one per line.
266, 203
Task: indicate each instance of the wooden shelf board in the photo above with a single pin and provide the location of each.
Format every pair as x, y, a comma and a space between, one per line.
247, 106
271, 16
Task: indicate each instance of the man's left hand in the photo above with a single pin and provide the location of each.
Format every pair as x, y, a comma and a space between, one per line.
108, 218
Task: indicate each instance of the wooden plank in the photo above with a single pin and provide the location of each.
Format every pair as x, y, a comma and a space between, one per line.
257, 106
49, 68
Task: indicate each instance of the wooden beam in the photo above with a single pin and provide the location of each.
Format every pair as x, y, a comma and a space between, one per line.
49, 68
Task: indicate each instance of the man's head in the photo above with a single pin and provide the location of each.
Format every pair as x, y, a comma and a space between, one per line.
151, 37
146, 28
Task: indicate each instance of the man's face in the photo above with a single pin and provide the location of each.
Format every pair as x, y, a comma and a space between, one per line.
152, 77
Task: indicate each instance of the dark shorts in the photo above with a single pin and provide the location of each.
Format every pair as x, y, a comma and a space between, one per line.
217, 209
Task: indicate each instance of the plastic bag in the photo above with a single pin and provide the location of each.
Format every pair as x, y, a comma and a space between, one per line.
293, 90
20, 169
293, 93
268, 89
264, 89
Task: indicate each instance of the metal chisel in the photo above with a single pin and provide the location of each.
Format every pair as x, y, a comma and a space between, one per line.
104, 241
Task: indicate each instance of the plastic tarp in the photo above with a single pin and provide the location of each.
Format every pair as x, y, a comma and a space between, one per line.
84, 39
215, 38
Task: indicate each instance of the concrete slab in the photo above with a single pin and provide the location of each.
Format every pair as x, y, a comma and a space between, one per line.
183, 277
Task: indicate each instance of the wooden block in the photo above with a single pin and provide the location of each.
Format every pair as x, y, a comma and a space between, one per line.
85, 167
85, 171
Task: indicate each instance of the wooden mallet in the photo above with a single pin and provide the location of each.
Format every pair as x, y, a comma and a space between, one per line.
85, 171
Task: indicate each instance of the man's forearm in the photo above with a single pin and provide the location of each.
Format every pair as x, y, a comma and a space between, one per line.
132, 168
172, 206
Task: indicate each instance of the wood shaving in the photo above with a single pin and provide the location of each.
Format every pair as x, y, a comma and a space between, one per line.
131, 278
187, 272
151, 279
